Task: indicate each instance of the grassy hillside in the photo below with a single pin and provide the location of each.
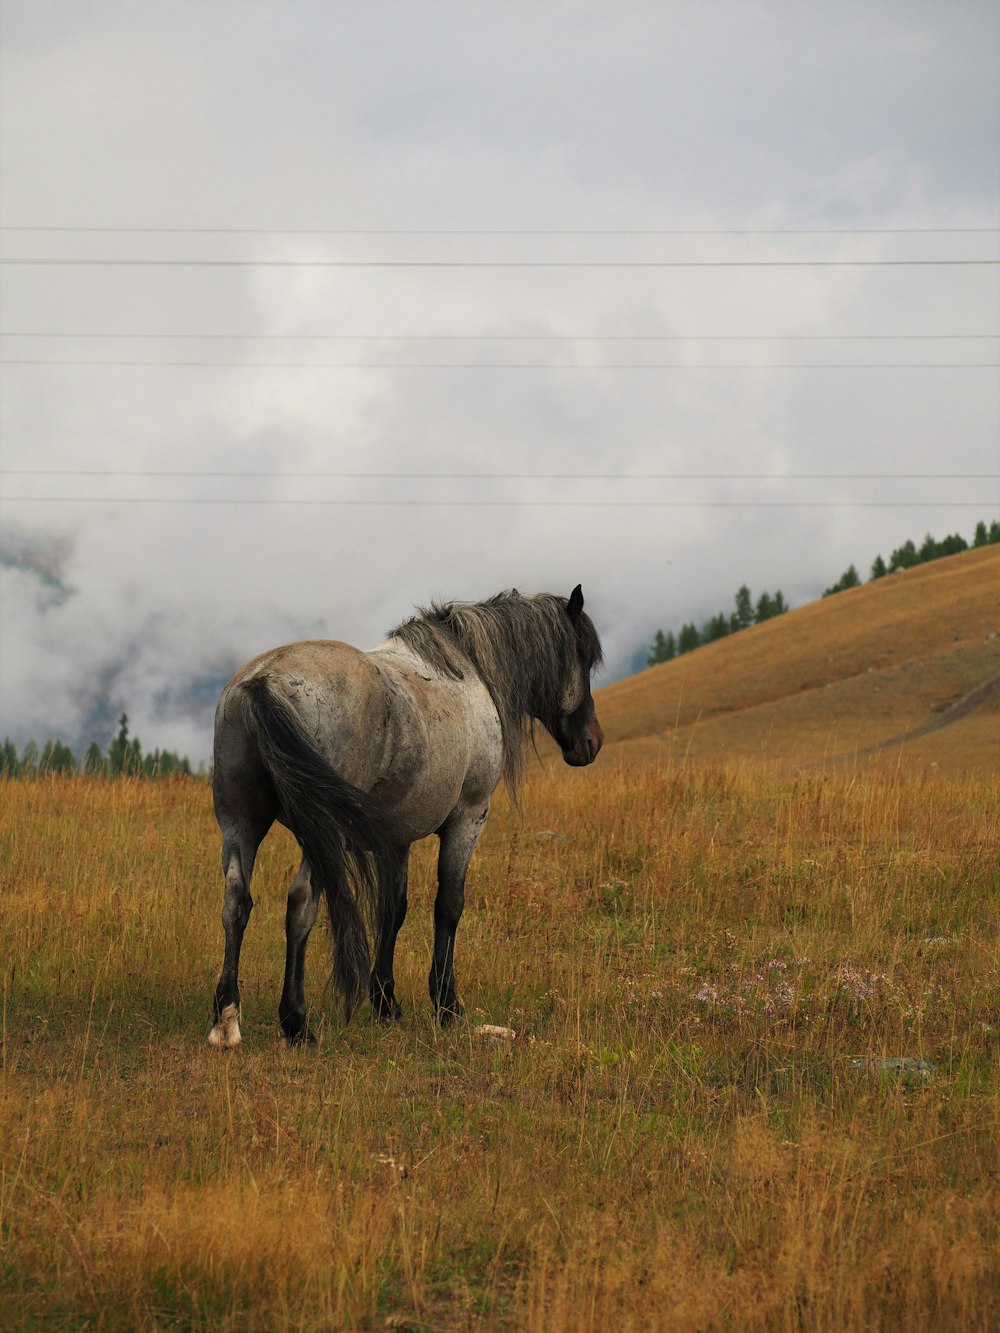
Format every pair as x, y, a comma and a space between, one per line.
834, 678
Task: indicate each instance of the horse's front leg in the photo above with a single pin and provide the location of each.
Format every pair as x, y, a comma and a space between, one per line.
385, 1006
458, 840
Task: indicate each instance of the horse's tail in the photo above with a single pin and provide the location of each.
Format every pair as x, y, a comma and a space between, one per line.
344, 835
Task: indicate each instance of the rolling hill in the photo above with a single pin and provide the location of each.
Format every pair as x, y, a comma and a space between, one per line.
904, 670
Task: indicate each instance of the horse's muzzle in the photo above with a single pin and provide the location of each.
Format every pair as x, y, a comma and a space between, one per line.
586, 749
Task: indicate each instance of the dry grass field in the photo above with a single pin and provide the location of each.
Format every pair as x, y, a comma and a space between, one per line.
678, 1138
714, 967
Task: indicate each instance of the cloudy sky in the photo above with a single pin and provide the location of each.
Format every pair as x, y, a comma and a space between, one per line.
402, 300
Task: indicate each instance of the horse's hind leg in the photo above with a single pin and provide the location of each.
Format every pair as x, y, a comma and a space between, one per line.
300, 916
239, 850
383, 984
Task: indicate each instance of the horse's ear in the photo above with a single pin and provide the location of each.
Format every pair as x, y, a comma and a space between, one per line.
575, 604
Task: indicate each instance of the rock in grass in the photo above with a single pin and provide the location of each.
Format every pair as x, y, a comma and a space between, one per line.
907, 1068
494, 1033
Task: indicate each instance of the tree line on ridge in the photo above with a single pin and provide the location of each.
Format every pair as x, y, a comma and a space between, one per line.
747, 612
124, 758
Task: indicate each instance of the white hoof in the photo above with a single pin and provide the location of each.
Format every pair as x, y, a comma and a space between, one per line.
226, 1033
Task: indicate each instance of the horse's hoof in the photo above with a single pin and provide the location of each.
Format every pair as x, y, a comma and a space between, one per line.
296, 1029
450, 1013
225, 1034
387, 1011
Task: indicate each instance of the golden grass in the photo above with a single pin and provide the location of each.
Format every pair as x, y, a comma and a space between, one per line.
677, 1139
831, 679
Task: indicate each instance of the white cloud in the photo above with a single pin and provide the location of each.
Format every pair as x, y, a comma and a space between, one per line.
446, 115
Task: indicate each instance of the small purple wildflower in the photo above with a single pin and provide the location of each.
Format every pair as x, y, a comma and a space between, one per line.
860, 985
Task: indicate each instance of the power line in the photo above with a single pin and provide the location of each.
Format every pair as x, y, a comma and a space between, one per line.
36, 262
507, 365
512, 231
508, 504
509, 476
512, 337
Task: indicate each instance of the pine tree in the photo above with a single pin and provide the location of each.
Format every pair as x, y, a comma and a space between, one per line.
903, 557
95, 765
929, 550
688, 639
118, 748
849, 579
56, 757
663, 648
133, 759
742, 617
716, 628
879, 570
953, 544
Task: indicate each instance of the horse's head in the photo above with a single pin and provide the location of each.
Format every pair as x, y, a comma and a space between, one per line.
576, 729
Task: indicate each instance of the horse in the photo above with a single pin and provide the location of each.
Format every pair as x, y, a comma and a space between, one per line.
361, 754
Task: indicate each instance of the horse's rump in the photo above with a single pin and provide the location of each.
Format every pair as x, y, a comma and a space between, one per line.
344, 834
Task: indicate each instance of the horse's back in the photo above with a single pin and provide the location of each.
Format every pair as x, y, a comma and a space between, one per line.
333, 688
445, 741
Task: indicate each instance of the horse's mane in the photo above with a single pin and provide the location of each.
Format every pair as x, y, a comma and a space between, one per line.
522, 648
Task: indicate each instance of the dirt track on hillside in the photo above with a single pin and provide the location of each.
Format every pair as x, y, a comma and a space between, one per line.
962, 707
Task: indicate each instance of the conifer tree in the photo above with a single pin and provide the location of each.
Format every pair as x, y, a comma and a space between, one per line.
716, 628
849, 579
118, 749
10, 764
929, 549
742, 617
688, 639
56, 757
663, 648
953, 544
903, 557
95, 764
